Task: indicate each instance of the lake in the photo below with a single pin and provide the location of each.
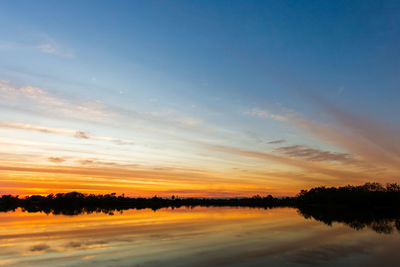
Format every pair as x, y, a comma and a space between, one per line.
197, 236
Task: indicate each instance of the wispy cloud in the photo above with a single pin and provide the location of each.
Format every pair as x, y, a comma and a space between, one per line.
49, 45
335, 173
61, 131
261, 113
29, 127
39, 99
377, 133
313, 154
53, 48
82, 134
39, 247
43, 43
366, 140
277, 142
56, 159
170, 115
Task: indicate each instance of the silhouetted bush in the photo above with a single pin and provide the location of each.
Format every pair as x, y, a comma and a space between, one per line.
367, 195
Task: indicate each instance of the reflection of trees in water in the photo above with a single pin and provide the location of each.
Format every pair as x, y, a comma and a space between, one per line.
75, 203
370, 205
381, 220
79, 211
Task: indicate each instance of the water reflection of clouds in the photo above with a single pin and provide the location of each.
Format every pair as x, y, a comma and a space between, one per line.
328, 253
274, 244
189, 237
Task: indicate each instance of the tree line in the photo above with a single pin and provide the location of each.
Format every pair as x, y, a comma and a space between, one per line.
322, 203
75, 203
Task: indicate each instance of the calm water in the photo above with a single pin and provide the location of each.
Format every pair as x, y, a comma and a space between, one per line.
190, 237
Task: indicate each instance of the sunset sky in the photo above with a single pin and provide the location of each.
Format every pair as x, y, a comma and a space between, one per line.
198, 98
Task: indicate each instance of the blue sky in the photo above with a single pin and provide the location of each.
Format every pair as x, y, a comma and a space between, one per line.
190, 83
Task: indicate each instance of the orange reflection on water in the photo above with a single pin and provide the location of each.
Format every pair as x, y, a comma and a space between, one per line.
189, 237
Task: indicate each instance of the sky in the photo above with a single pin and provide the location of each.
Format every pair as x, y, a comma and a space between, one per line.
198, 98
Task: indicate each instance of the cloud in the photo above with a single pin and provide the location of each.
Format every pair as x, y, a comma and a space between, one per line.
311, 167
302, 151
277, 142
168, 121
118, 141
33, 99
381, 135
39, 42
50, 46
39, 247
87, 162
169, 115
81, 134
67, 132
29, 127
254, 137
38, 99
73, 244
372, 142
96, 162
257, 112
56, 159
139, 181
